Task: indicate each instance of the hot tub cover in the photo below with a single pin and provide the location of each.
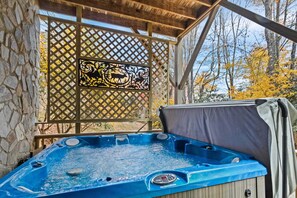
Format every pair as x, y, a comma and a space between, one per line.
253, 127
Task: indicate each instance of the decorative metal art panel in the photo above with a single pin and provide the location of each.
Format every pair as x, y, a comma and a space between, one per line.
98, 43
62, 71
101, 74
113, 104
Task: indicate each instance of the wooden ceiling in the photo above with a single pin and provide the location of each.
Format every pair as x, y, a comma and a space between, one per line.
167, 17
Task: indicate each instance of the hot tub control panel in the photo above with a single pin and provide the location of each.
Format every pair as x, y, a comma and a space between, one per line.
164, 179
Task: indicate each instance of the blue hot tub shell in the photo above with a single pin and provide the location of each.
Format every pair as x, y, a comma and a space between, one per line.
216, 165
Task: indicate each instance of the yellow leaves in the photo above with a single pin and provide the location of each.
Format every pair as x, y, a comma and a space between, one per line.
199, 79
266, 86
206, 81
279, 84
210, 87
228, 66
43, 61
157, 102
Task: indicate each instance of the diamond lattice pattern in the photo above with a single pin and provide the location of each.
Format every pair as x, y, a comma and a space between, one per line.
159, 74
97, 43
62, 69
113, 104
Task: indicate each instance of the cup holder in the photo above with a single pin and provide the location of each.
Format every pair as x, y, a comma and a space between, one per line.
180, 145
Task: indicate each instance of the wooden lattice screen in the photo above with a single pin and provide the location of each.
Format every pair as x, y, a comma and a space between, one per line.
71, 43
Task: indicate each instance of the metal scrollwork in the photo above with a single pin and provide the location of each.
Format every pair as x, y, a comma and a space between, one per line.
113, 75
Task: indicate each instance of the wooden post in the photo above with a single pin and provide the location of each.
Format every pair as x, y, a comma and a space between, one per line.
178, 94
168, 75
150, 33
48, 71
150, 29
78, 19
198, 47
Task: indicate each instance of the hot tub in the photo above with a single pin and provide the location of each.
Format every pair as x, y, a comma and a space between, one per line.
134, 165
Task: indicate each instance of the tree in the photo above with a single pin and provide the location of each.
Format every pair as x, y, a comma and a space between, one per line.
231, 32
280, 12
260, 84
221, 56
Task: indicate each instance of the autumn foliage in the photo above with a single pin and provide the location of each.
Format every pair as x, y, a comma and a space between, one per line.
280, 83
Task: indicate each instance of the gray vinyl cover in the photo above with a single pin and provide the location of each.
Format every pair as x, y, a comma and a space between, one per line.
253, 127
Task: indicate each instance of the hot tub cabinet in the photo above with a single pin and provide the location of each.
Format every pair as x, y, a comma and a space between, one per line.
136, 165
254, 187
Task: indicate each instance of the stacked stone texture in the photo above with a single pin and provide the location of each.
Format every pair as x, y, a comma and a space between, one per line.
19, 66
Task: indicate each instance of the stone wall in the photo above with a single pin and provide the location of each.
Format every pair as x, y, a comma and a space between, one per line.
19, 63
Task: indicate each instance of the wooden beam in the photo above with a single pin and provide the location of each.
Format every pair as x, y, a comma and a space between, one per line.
101, 17
168, 7
113, 8
269, 24
171, 80
56, 7
198, 47
202, 13
87, 14
207, 3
